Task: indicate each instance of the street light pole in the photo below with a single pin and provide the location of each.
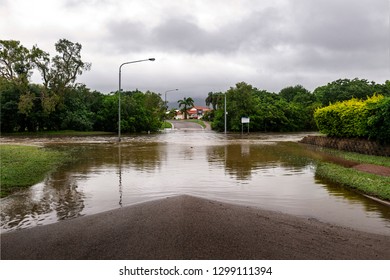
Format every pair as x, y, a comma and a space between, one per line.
166, 96
119, 96
225, 113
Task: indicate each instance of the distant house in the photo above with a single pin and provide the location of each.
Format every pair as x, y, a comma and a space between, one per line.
195, 112
179, 115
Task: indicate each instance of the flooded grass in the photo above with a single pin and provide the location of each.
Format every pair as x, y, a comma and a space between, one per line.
23, 166
361, 158
370, 184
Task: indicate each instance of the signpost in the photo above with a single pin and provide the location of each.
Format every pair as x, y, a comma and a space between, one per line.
244, 120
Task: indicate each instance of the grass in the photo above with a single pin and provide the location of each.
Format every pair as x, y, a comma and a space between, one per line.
375, 185
24, 166
370, 184
166, 125
361, 158
59, 133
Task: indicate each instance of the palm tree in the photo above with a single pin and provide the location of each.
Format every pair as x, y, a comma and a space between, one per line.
213, 99
187, 103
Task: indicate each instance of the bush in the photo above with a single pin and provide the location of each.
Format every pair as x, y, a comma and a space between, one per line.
356, 118
379, 121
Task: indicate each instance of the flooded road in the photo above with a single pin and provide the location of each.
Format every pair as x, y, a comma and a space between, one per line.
269, 171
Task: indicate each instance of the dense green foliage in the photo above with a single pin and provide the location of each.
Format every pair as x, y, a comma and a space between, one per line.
23, 166
379, 120
290, 111
356, 118
345, 89
59, 103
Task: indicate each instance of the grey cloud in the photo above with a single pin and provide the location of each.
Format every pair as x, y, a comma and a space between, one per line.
182, 34
342, 25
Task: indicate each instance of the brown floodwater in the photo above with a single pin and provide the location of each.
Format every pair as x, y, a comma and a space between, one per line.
270, 171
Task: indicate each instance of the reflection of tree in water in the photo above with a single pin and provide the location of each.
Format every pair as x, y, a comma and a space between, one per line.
145, 157
241, 160
59, 194
62, 193
353, 197
56, 195
141, 156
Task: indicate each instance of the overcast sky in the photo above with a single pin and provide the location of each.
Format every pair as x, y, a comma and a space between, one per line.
210, 45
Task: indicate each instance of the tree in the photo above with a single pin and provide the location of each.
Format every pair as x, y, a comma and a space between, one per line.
68, 64
214, 99
294, 93
187, 103
59, 73
345, 89
15, 61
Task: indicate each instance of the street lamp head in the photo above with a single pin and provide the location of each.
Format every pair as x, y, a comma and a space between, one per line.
152, 59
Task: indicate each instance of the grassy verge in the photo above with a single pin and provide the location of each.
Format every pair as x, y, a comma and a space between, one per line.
23, 166
59, 133
377, 160
375, 185
166, 125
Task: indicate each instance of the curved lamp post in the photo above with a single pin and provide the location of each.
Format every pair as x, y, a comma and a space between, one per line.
119, 98
166, 96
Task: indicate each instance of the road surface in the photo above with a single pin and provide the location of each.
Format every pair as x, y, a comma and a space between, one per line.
185, 125
186, 227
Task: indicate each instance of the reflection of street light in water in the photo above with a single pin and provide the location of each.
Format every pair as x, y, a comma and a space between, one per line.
120, 173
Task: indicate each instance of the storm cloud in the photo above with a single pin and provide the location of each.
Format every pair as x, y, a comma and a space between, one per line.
203, 46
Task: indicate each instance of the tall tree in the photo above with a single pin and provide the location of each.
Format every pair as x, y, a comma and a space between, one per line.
186, 103
59, 74
15, 61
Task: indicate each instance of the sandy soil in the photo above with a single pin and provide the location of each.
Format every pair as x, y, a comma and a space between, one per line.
186, 227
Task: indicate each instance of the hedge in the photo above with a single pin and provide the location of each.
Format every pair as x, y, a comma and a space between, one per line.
353, 118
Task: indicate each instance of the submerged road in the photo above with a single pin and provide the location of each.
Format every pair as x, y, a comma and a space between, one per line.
186, 227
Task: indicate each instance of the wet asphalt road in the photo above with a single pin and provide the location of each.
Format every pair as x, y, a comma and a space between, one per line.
186, 227
184, 125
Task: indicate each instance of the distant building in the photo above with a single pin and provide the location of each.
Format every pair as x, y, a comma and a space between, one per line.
196, 112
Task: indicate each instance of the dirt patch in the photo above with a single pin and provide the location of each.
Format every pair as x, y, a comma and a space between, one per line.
373, 169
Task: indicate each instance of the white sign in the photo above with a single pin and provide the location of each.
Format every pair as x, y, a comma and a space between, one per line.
244, 120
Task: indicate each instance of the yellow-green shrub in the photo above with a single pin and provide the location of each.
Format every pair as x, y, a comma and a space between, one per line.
347, 118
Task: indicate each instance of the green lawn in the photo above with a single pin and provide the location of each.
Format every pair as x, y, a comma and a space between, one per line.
60, 133
371, 184
166, 125
362, 158
24, 166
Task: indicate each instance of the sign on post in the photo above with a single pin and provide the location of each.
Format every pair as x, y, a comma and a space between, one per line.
244, 120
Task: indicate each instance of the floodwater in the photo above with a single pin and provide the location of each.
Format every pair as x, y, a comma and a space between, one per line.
269, 171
